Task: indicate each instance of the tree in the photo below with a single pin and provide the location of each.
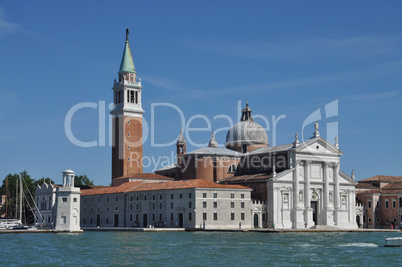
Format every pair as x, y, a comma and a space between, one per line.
13, 195
82, 180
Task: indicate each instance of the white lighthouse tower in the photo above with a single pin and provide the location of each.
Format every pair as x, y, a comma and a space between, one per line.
68, 205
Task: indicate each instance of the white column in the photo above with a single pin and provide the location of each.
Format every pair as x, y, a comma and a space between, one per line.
296, 187
72, 180
336, 191
307, 185
64, 179
326, 187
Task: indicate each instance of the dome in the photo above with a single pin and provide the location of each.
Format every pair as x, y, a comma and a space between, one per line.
248, 133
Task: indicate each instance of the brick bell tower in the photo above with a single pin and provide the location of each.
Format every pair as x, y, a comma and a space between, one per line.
127, 118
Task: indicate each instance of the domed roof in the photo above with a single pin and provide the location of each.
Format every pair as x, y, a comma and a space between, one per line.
247, 131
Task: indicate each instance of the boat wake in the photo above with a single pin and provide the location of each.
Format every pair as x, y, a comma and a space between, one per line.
372, 245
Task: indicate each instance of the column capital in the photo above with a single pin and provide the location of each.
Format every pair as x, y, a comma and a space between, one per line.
300, 162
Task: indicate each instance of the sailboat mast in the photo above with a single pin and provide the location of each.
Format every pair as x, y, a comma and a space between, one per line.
6, 202
20, 197
16, 195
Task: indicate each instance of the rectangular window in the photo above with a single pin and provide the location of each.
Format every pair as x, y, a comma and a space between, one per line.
153, 206
153, 197
160, 196
131, 217
232, 205
393, 204
215, 195
181, 196
117, 198
215, 216
204, 195
171, 196
204, 204
160, 216
369, 204
204, 216
242, 195
136, 217
153, 217
75, 199
132, 96
64, 199
189, 195
136, 97
242, 216
189, 204
215, 204
171, 205
190, 216
128, 96
160, 206
171, 216
242, 205
231, 195
232, 216
386, 204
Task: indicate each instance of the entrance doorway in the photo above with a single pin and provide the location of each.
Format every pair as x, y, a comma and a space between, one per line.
314, 206
181, 218
358, 220
116, 220
256, 220
145, 220
98, 220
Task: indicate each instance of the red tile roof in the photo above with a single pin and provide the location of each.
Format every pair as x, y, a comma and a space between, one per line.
145, 176
382, 179
141, 186
243, 178
101, 190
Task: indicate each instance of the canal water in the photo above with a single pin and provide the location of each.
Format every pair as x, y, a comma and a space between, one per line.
198, 249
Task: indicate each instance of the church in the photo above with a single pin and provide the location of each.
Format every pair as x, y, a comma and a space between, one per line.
247, 183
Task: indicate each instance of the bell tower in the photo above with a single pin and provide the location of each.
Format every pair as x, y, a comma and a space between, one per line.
127, 118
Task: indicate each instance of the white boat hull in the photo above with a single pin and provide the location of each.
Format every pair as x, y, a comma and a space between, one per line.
393, 242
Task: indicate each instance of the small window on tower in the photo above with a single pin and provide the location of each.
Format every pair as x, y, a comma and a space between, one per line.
128, 96
128, 134
128, 147
128, 159
136, 97
128, 122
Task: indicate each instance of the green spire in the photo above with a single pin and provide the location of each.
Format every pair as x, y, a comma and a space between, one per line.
127, 63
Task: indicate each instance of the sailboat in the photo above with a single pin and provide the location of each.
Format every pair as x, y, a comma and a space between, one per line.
14, 223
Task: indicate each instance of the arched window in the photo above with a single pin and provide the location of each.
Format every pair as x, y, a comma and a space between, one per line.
232, 168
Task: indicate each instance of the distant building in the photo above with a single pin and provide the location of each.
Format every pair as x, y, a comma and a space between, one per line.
58, 207
296, 185
190, 204
381, 197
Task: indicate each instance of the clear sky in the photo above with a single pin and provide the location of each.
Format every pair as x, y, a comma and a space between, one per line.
288, 58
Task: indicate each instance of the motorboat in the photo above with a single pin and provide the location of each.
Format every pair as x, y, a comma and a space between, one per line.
393, 241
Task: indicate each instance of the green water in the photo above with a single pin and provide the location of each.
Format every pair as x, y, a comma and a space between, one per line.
198, 249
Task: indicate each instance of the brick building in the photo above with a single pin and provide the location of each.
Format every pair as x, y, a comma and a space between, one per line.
381, 197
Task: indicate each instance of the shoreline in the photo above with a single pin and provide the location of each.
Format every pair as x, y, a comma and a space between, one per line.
265, 230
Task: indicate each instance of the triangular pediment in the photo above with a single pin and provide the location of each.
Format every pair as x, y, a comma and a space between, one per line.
318, 146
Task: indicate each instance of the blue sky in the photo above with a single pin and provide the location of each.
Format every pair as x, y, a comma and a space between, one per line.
288, 58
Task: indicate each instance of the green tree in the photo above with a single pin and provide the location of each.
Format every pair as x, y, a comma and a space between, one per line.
82, 180
13, 195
